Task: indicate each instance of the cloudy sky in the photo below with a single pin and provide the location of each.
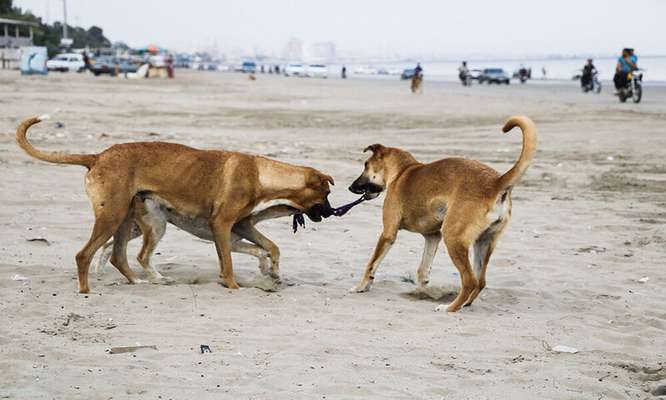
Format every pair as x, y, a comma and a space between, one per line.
375, 27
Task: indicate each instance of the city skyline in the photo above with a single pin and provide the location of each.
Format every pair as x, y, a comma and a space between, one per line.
512, 29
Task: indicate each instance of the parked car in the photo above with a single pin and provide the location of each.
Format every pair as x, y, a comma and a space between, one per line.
408, 74
494, 75
107, 65
294, 70
317, 71
66, 62
249, 67
475, 73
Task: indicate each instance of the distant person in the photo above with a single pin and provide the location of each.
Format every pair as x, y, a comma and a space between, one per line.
588, 72
463, 73
277, 69
262, 68
344, 72
86, 62
625, 64
169, 66
543, 73
418, 70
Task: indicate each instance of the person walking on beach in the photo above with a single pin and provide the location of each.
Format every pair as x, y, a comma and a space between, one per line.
86, 62
625, 64
344, 72
463, 74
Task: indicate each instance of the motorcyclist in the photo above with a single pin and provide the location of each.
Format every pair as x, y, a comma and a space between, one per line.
625, 64
463, 72
418, 71
588, 72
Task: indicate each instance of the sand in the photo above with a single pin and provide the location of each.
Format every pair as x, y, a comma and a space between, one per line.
588, 225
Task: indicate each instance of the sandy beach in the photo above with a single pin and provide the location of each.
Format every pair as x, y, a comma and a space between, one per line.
580, 265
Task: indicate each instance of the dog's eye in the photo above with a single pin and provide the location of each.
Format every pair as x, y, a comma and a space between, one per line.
366, 164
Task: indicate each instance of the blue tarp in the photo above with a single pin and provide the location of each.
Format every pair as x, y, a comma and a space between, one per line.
33, 60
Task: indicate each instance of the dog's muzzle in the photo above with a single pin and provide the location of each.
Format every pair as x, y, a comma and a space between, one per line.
319, 211
362, 185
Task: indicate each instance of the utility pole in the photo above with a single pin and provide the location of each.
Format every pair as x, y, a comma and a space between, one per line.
65, 41
64, 25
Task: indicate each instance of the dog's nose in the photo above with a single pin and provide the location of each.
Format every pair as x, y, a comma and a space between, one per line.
355, 190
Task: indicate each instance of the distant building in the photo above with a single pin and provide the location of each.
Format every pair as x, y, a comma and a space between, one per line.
322, 52
293, 51
14, 34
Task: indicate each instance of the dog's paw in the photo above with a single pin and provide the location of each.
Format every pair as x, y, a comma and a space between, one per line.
138, 281
229, 283
360, 288
161, 280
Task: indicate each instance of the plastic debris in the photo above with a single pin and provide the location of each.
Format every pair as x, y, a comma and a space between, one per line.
565, 349
205, 348
129, 349
643, 279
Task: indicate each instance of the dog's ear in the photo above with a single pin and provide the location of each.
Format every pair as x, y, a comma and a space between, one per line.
376, 148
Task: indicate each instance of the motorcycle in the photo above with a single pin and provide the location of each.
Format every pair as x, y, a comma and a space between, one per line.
633, 88
593, 85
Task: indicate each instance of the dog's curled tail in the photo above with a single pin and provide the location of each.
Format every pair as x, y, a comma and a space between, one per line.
512, 176
87, 160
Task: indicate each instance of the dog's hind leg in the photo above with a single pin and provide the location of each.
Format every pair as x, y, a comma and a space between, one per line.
107, 250
153, 225
429, 251
107, 222
119, 256
459, 231
483, 249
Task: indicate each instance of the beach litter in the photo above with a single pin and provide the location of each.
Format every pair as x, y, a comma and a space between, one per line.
644, 279
20, 278
564, 349
39, 240
205, 348
129, 349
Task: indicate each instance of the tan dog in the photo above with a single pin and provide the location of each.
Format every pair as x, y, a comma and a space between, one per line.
417, 82
220, 186
464, 201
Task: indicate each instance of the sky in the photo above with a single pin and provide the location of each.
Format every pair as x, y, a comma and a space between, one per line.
440, 28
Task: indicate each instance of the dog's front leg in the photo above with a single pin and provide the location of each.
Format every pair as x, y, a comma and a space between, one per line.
385, 242
247, 230
222, 234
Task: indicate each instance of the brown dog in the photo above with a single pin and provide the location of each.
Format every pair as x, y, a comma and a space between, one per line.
417, 82
221, 186
464, 201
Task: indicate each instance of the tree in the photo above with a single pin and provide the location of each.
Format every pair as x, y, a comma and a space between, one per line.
6, 7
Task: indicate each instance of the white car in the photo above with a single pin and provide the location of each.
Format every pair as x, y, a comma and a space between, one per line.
317, 71
66, 62
294, 70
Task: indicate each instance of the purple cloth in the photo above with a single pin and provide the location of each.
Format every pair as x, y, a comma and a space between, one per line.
299, 220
